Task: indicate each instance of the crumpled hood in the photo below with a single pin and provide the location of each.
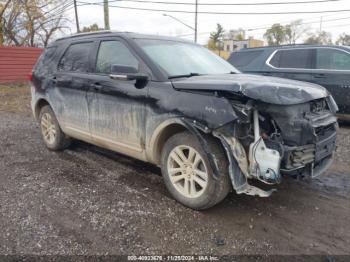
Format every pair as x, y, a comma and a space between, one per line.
271, 90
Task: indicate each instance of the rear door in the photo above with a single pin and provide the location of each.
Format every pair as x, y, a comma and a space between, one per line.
71, 85
117, 107
293, 63
332, 70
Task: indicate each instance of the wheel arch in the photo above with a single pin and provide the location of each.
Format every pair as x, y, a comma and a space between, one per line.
40, 104
161, 134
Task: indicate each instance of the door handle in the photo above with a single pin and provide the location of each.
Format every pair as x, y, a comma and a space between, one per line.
320, 76
267, 74
54, 80
96, 86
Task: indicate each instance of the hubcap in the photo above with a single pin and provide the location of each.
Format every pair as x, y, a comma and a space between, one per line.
48, 128
187, 171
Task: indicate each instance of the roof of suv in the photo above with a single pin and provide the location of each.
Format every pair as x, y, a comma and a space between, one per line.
123, 34
293, 46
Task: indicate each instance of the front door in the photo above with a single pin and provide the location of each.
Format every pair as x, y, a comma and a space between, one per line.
116, 107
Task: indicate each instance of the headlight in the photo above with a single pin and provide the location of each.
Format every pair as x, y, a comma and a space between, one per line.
332, 104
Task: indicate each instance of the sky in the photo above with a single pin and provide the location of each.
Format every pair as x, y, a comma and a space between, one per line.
156, 23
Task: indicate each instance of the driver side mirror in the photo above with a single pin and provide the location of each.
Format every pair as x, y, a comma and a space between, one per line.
122, 72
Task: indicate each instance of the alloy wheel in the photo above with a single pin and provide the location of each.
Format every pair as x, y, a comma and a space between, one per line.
48, 128
187, 171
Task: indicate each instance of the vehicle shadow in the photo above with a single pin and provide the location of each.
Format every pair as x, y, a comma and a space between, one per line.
344, 123
290, 188
299, 216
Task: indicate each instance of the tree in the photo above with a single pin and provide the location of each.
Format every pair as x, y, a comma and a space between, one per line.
294, 31
33, 22
240, 37
217, 36
343, 39
92, 28
321, 38
278, 34
275, 35
211, 44
3, 7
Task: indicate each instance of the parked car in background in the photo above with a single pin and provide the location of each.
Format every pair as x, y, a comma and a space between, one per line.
177, 105
328, 66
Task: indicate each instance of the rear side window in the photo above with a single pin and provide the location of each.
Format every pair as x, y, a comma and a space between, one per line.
44, 60
327, 58
292, 58
76, 58
241, 59
114, 53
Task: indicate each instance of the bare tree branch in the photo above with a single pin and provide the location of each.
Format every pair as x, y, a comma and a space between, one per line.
32, 22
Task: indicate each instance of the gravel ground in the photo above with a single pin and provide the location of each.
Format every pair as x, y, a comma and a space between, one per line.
90, 201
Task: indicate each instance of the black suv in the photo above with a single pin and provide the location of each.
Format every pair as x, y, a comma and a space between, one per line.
328, 66
179, 106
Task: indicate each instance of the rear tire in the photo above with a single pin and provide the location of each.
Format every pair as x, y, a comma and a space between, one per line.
53, 136
188, 175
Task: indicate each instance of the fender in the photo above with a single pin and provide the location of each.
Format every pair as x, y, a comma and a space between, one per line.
236, 170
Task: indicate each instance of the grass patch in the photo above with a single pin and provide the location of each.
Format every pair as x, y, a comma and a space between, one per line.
15, 98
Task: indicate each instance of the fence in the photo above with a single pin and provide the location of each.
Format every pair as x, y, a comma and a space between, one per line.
17, 62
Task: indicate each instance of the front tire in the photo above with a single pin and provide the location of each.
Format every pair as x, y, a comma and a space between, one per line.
53, 136
188, 175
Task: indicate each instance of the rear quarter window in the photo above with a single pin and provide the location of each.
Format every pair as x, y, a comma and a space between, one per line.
242, 59
332, 59
76, 58
44, 63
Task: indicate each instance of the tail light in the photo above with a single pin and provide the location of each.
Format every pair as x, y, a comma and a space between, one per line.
30, 76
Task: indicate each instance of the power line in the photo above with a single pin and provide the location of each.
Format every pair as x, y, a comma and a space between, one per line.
202, 33
264, 26
59, 7
341, 25
205, 33
306, 23
57, 11
222, 13
60, 11
225, 4
328, 20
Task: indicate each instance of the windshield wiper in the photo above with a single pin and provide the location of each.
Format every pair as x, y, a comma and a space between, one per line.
184, 75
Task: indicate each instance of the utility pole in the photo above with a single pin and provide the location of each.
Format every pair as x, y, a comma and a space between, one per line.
1, 32
106, 14
76, 16
321, 24
195, 22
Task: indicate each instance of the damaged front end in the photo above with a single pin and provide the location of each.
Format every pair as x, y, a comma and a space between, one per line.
268, 126
268, 141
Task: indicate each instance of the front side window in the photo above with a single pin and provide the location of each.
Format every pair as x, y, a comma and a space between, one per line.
181, 58
292, 58
76, 58
328, 58
114, 53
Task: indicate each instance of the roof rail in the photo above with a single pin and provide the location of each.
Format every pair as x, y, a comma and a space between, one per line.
291, 45
86, 34
276, 46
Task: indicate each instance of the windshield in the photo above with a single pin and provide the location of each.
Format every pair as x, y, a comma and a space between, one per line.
181, 59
